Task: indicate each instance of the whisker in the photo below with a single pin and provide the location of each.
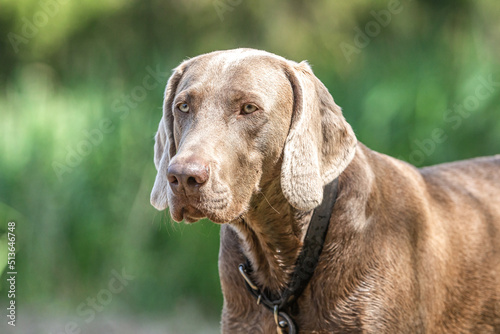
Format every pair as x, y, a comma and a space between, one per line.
269, 203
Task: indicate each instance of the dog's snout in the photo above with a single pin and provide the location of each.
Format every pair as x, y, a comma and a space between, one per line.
188, 175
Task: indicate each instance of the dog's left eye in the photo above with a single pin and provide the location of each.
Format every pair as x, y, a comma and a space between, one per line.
184, 107
248, 108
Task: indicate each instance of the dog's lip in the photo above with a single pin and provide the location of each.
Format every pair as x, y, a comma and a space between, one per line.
191, 209
191, 214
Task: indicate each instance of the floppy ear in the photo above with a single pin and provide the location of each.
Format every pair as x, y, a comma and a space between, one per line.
161, 141
164, 142
320, 143
168, 117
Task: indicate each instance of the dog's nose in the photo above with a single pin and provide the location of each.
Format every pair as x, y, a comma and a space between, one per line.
189, 175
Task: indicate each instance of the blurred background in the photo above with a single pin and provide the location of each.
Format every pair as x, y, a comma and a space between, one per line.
81, 86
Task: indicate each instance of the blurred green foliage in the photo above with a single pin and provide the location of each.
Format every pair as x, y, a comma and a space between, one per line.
73, 77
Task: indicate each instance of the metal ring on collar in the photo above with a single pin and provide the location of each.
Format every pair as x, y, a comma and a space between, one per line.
286, 323
243, 273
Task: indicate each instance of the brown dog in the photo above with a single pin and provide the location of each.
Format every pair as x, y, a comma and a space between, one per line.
249, 139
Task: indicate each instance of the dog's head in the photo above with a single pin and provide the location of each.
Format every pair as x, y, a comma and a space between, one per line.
231, 119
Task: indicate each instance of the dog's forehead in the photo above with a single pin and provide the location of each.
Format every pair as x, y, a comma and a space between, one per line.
243, 68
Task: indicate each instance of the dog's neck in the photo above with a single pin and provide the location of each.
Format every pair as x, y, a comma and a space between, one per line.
271, 236
271, 239
271, 231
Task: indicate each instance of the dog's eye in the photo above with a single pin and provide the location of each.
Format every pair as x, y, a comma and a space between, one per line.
184, 107
248, 108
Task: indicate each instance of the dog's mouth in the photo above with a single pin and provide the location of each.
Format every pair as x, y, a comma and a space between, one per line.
189, 214
193, 210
